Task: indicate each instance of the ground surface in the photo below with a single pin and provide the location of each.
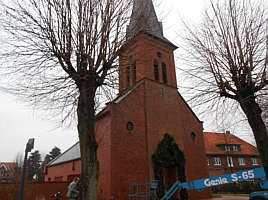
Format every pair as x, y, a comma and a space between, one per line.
229, 197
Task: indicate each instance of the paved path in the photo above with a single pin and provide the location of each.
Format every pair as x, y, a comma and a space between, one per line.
223, 197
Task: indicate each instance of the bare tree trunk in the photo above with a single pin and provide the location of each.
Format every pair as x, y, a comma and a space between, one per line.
88, 144
253, 113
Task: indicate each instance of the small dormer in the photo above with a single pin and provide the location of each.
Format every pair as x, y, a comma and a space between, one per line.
229, 147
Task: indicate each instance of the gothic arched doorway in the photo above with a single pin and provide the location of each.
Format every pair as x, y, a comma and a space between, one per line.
169, 166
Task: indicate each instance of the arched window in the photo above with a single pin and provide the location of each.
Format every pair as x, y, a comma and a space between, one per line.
193, 136
156, 72
134, 72
128, 75
164, 73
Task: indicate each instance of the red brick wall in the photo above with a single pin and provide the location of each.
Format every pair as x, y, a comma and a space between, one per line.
129, 161
103, 135
154, 109
167, 113
67, 171
62, 171
33, 191
216, 170
143, 49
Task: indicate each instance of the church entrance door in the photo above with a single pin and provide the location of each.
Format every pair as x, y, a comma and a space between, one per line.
170, 176
169, 166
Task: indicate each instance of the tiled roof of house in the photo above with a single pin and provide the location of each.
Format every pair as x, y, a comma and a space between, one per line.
73, 153
8, 166
213, 140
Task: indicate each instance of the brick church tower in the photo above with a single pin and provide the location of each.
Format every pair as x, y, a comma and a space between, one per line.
148, 108
147, 54
147, 113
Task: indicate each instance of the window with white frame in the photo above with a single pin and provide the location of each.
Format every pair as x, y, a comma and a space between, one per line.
254, 161
208, 161
227, 148
235, 148
241, 161
230, 161
217, 161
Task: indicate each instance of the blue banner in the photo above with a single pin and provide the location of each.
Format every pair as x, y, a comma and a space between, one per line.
257, 173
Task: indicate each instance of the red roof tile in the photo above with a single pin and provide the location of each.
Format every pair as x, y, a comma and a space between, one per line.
9, 166
214, 139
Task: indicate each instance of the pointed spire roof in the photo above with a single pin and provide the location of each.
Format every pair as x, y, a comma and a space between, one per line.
144, 19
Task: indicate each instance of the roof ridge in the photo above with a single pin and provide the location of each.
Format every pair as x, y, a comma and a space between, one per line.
60, 155
213, 138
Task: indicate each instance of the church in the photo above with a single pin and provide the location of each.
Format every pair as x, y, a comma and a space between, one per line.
148, 132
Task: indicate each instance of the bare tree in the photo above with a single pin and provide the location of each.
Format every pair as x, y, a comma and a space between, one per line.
226, 60
57, 55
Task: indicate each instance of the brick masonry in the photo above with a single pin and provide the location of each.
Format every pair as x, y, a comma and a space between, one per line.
33, 191
154, 108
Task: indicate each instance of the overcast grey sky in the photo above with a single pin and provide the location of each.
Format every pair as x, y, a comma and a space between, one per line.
18, 122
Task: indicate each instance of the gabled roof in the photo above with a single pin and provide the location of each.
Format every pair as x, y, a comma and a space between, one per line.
212, 140
73, 153
127, 92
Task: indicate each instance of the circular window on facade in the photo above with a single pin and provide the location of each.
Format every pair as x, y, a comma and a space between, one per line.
130, 126
193, 136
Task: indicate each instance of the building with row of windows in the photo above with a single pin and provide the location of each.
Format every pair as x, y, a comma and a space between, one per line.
227, 153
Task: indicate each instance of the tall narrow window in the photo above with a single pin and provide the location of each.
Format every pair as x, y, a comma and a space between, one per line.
241, 161
230, 161
254, 161
164, 73
128, 75
134, 72
227, 148
235, 148
156, 72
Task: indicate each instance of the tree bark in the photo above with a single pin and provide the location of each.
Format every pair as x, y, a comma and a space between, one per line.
88, 144
253, 112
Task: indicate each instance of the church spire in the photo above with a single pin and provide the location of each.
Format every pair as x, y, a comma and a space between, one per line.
144, 19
